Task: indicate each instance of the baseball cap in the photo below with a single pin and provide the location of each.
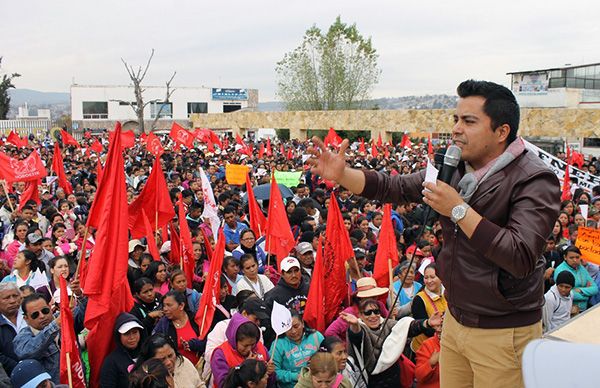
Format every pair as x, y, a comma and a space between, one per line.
124, 328
33, 238
304, 247
289, 263
256, 307
29, 374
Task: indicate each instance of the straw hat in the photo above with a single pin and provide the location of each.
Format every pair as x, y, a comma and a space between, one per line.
367, 288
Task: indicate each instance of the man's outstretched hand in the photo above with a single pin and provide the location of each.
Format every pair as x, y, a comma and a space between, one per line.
325, 163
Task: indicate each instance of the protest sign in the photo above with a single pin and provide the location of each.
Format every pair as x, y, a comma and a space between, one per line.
288, 178
236, 174
588, 241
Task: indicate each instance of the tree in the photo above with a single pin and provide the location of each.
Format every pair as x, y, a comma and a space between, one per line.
331, 71
5, 84
137, 77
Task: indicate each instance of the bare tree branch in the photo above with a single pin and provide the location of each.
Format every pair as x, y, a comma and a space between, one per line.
168, 96
147, 66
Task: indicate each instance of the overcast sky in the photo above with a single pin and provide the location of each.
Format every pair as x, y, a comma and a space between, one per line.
424, 46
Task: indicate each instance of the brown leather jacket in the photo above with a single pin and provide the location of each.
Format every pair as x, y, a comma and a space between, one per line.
494, 279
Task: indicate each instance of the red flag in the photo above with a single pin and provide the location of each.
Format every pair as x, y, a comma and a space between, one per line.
281, 149
239, 140
106, 284
31, 192
315, 302
87, 135
210, 146
16, 140
187, 249
280, 240
59, 167
258, 221
374, 151
28, 169
96, 146
379, 141
429, 145
205, 135
566, 187
226, 143
577, 159
361, 148
156, 202
332, 138
175, 254
405, 143
387, 250
99, 172
68, 343
290, 154
269, 150
261, 151
153, 145
181, 135
212, 288
207, 245
68, 139
150, 237
127, 137
143, 137
338, 249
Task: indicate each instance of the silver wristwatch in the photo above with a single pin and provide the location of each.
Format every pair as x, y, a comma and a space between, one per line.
459, 212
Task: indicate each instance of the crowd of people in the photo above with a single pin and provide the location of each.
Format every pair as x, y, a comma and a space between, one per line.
373, 341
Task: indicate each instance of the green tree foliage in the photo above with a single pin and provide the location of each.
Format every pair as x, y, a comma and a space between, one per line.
5, 84
331, 71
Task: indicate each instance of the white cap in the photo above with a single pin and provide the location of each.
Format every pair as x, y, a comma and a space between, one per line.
289, 263
166, 247
134, 243
124, 328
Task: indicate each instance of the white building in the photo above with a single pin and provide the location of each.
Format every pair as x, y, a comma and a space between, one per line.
100, 107
571, 87
25, 124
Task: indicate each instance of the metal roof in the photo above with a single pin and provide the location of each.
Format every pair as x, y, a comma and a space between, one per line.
553, 68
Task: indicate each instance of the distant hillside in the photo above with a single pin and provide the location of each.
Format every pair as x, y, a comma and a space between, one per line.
436, 101
33, 97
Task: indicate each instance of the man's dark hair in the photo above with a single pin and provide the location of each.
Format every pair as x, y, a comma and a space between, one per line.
229, 210
500, 104
30, 299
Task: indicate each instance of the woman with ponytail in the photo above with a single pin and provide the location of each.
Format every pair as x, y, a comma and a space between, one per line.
251, 373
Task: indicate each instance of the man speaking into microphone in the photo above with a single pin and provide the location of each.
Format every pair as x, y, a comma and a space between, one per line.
496, 213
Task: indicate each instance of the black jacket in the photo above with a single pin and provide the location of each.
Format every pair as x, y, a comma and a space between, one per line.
291, 298
141, 310
115, 368
8, 358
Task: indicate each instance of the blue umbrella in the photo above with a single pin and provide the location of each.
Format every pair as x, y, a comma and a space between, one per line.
264, 191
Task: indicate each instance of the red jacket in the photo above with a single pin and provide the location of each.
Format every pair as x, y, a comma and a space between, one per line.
427, 376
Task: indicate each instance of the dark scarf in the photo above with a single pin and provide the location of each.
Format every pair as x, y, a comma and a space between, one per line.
252, 250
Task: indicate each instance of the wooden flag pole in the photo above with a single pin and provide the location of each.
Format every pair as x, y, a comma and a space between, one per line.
82, 253
203, 319
391, 275
68, 355
12, 208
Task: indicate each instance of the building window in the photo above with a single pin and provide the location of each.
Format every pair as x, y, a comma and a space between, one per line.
163, 109
95, 109
125, 103
231, 107
197, 107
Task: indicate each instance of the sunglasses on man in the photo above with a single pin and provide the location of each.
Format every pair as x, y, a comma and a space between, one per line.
43, 311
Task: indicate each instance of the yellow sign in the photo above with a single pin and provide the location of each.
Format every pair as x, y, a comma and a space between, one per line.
236, 174
588, 242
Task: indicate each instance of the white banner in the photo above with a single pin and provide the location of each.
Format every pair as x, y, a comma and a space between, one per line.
578, 177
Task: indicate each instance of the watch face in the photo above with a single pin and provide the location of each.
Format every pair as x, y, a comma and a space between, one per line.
458, 212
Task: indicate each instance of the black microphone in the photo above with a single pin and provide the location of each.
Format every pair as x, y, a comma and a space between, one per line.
438, 158
451, 160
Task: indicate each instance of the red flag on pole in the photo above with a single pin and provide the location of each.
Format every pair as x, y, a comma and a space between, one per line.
96, 146
31, 192
187, 249
127, 137
71, 368
280, 240
361, 148
269, 150
205, 135
338, 249
379, 141
87, 135
261, 151
153, 145
332, 138
68, 139
28, 169
175, 254
156, 202
290, 154
315, 302
405, 143
181, 135
59, 167
258, 221
387, 250
150, 237
212, 288
16, 140
566, 187
429, 145
374, 151
106, 283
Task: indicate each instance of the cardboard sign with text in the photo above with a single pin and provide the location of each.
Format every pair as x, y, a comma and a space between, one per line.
588, 242
236, 174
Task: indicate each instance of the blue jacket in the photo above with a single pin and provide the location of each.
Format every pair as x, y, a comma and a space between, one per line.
583, 281
42, 347
289, 357
8, 358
